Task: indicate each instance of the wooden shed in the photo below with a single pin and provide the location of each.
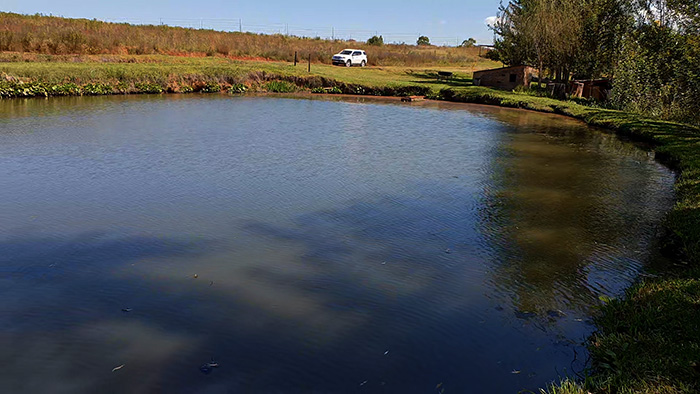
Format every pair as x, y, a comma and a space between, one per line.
507, 78
598, 89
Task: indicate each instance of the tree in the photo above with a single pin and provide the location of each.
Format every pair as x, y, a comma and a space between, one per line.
468, 43
650, 48
562, 36
376, 41
423, 40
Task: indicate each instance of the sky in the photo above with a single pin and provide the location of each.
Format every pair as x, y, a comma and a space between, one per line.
443, 21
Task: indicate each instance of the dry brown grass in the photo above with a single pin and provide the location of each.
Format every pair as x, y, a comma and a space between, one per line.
63, 36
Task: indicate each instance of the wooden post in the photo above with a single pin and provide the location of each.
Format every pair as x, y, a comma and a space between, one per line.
295, 58
309, 62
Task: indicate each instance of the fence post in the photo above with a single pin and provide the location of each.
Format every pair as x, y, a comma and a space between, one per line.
295, 58
309, 62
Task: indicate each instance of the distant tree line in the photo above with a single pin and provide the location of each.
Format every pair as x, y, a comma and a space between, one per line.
651, 48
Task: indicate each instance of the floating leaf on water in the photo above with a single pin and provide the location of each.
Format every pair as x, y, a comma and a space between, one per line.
118, 368
363, 383
127, 309
515, 371
387, 352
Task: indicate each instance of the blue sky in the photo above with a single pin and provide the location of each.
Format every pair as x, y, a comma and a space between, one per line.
445, 22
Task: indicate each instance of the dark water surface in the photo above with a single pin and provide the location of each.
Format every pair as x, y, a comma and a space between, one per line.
338, 247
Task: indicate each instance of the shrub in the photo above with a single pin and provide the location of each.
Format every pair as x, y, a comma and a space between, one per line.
211, 87
376, 41
237, 88
145, 87
97, 89
333, 90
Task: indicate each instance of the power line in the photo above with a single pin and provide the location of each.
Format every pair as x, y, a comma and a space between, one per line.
331, 32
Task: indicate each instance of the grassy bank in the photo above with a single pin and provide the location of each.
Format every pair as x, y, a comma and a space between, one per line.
27, 75
647, 342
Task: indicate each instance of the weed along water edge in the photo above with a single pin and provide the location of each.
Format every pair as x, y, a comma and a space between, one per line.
189, 243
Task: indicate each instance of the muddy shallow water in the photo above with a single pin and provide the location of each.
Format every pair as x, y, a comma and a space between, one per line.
324, 246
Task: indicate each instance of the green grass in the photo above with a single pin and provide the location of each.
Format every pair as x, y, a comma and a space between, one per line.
175, 74
647, 342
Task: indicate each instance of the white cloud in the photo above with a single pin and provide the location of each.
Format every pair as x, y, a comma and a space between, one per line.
491, 21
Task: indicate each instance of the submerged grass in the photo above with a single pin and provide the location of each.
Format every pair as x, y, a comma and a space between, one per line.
647, 341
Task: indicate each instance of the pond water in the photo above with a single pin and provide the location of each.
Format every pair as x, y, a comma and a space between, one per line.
309, 246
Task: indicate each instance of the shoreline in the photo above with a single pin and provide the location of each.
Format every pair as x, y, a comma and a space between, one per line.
645, 342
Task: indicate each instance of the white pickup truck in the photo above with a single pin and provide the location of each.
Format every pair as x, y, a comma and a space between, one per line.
350, 57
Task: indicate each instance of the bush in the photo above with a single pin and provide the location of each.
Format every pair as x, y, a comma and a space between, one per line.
211, 87
423, 40
376, 41
333, 90
237, 88
145, 87
95, 89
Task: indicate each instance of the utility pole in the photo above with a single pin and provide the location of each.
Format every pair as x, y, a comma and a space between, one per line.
240, 25
333, 33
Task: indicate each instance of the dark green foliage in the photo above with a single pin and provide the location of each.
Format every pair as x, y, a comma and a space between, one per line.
237, 88
659, 74
333, 90
94, 89
376, 41
211, 87
146, 87
423, 40
468, 43
37, 89
651, 50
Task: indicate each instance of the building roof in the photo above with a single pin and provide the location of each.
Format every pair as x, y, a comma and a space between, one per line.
501, 69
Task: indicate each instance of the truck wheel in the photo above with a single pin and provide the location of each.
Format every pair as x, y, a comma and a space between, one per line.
348, 63
364, 63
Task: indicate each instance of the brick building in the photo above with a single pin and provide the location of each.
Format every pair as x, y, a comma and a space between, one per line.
507, 78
